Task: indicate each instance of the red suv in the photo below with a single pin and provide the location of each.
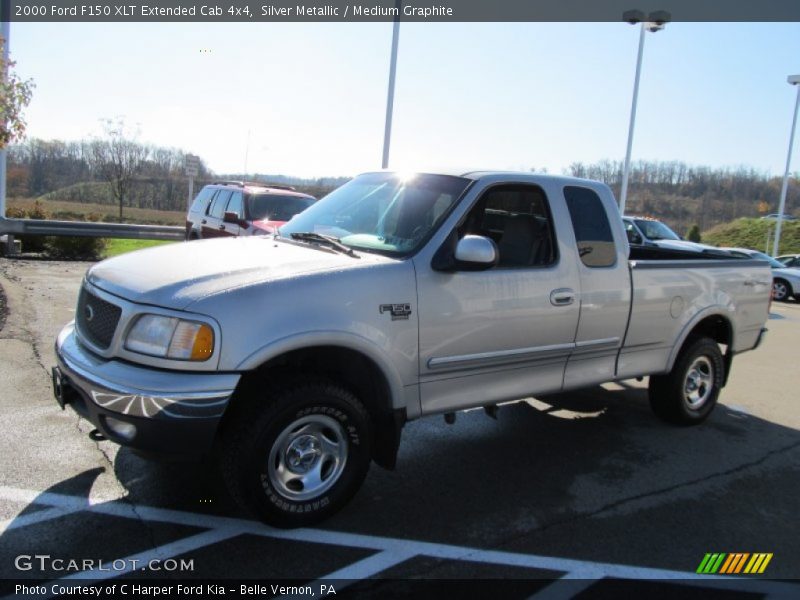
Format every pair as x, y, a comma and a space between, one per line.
231, 208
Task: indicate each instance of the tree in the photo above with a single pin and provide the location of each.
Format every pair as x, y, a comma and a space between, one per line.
118, 158
694, 234
15, 95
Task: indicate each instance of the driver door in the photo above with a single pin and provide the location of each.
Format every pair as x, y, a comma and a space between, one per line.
506, 332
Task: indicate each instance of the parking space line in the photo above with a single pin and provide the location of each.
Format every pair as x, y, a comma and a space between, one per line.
37, 517
141, 560
363, 569
389, 547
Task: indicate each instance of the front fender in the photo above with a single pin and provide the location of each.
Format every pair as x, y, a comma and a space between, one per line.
402, 396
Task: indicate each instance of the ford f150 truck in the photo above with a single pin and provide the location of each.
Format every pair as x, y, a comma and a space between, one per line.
296, 358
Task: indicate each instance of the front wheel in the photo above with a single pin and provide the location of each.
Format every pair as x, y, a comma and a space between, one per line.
299, 458
780, 290
688, 393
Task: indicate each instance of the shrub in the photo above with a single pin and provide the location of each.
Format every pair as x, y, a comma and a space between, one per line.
85, 248
30, 243
694, 234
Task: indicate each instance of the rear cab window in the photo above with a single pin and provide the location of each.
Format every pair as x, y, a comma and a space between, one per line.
592, 229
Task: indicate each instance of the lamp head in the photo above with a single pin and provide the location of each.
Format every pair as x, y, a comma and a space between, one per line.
793, 79
633, 16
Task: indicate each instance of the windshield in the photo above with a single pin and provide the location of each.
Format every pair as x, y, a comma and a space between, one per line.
382, 212
275, 207
656, 230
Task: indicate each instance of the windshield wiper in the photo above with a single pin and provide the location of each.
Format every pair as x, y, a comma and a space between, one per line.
333, 242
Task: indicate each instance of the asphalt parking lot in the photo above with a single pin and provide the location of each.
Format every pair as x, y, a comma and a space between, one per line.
589, 486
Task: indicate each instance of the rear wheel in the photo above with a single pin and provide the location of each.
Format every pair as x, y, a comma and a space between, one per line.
299, 458
688, 393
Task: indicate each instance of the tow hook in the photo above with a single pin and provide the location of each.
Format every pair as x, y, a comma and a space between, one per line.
97, 436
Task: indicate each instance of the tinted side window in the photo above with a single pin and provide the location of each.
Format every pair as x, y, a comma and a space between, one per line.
201, 200
592, 229
235, 205
517, 218
218, 205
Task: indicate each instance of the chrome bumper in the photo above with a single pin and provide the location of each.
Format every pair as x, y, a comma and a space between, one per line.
172, 412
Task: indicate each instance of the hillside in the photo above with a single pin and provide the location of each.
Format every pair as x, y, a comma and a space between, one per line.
753, 233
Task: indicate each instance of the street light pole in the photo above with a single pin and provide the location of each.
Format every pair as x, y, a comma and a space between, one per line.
793, 80
387, 132
623, 195
655, 22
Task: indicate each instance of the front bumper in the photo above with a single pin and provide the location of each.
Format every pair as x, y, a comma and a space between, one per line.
155, 411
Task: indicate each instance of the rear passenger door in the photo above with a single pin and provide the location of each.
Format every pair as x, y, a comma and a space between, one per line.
605, 288
506, 332
212, 224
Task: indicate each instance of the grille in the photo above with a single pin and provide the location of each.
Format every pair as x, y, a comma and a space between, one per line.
97, 319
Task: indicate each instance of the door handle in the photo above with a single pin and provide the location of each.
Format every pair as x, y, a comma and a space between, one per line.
562, 297
203, 222
221, 227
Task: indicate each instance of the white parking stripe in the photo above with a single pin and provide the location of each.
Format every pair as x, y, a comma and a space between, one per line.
141, 560
37, 517
396, 546
363, 569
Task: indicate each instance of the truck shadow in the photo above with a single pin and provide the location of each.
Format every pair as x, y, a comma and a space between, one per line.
542, 465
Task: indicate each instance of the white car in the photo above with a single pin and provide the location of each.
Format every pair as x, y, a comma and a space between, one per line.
785, 281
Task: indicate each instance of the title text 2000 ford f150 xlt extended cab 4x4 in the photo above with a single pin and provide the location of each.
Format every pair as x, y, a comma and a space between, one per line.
297, 358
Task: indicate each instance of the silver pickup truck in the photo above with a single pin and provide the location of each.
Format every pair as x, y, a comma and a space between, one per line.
295, 359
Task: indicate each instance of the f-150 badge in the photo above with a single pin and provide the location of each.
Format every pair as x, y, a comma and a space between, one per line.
398, 311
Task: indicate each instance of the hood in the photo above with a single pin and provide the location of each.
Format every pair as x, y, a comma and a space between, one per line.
268, 226
175, 275
791, 274
684, 245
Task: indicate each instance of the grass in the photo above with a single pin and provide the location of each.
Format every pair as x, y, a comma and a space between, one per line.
752, 233
115, 247
77, 211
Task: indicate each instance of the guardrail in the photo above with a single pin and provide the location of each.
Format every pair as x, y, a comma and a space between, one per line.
88, 229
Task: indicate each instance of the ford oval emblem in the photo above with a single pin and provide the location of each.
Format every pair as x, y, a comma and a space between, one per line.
89, 312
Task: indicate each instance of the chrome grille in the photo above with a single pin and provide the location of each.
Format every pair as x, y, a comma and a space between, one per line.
97, 319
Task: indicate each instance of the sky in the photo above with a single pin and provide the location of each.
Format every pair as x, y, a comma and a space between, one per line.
309, 99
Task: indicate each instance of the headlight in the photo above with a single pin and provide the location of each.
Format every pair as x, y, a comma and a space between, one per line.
171, 338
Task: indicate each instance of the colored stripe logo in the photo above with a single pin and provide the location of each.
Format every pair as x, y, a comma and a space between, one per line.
734, 563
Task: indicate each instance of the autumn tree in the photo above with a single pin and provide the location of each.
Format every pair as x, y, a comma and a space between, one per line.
118, 158
15, 95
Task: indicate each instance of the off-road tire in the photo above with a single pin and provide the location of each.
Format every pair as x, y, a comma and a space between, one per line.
688, 393
258, 431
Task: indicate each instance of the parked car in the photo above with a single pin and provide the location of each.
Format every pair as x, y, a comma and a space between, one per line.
644, 231
776, 215
298, 358
789, 260
785, 281
233, 208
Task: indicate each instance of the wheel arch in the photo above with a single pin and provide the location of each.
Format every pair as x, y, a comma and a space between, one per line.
377, 388
713, 324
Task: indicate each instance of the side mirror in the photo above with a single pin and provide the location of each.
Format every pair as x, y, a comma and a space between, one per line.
470, 253
477, 252
232, 218
633, 237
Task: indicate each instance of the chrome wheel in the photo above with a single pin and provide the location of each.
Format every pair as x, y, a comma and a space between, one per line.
699, 382
308, 457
